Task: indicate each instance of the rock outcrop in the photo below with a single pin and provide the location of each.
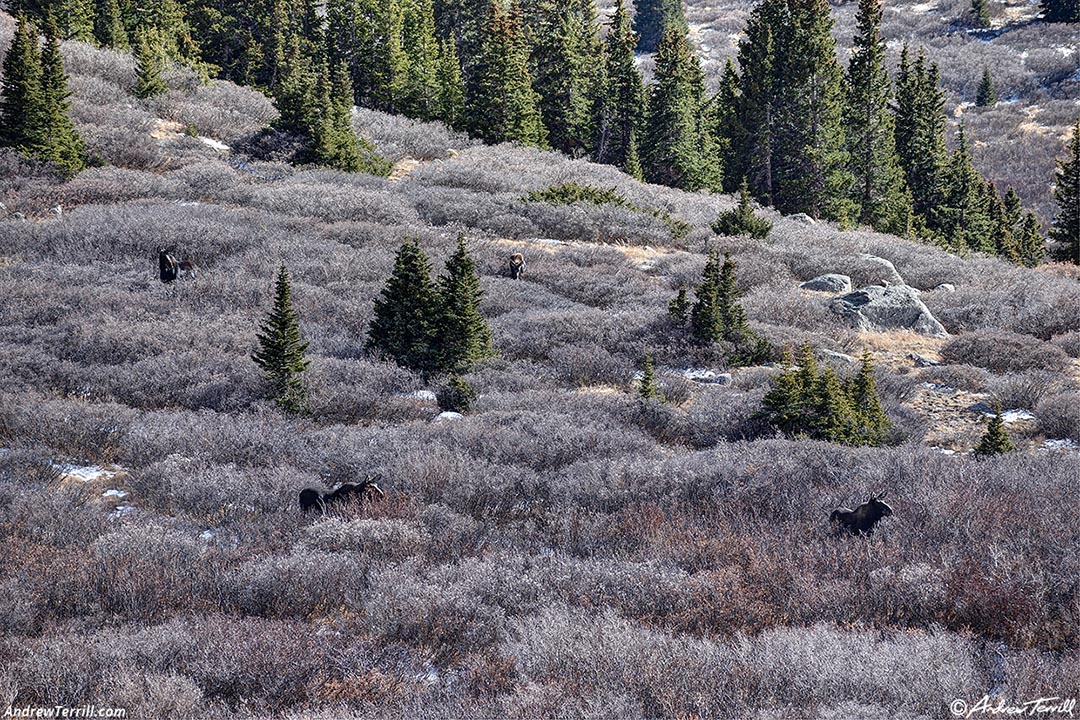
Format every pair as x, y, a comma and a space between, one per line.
831, 282
896, 307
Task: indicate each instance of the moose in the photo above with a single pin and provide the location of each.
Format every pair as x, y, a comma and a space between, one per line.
310, 498
517, 266
169, 268
861, 520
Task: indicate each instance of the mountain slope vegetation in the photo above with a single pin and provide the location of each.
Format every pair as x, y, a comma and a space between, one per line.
562, 549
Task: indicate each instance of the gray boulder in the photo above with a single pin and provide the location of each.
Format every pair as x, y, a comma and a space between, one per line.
802, 219
946, 287
897, 307
876, 269
922, 361
830, 282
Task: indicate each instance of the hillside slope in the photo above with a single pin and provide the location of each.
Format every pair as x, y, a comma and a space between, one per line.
556, 552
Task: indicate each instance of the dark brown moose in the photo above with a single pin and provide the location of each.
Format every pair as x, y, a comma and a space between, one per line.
861, 520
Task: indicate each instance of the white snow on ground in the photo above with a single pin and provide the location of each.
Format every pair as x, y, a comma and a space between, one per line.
1063, 444
704, 375
448, 415
1009, 416
122, 510
85, 473
419, 395
216, 144
921, 8
111, 493
548, 241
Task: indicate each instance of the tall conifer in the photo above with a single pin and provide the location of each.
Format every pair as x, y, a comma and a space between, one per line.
109, 26
880, 188
62, 144
22, 103
620, 125
406, 312
651, 18
281, 349
463, 334
1066, 229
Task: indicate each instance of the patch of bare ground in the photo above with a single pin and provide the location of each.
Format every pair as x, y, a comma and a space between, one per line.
403, 168
166, 129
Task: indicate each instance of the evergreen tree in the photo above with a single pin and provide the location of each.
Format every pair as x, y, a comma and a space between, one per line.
783, 403
463, 335
388, 67
422, 88
1014, 208
620, 124
62, 144
995, 441
752, 137
679, 307
334, 144
834, 415
651, 19
724, 125
149, 64
871, 423
451, 88
407, 312
456, 396
1066, 229
880, 188
673, 144
281, 349
920, 136
810, 162
742, 220
980, 13
986, 95
22, 105
1030, 245
648, 389
561, 62
706, 324
1061, 11
294, 93
502, 105
108, 25
962, 218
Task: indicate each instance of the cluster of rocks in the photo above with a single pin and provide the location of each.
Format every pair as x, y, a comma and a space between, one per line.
891, 304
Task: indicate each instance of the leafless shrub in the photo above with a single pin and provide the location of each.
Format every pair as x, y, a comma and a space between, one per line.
1059, 415
1003, 351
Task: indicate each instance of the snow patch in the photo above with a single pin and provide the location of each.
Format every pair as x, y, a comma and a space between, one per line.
216, 144
549, 241
1061, 444
84, 473
1008, 416
123, 510
704, 375
448, 415
112, 493
419, 395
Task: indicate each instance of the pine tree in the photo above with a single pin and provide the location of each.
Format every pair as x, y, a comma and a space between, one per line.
620, 124
834, 415
783, 403
1029, 243
149, 64
753, 132
810, 163
456, 396
742, 220
724, 125
422, 88
706, 324
281, 349
62, 144
451, 88
679, 307
980, 13
986, 95
672, 143
651, 19
463, 335
333, 142
647, 389
920, 136
407, 313
995, 441
22, 104
293, 94
871, 423
501, 103
561, 63
1061, 11
1066, 229
880, 188
748, 348
108, 25
962, 217
1014, 208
